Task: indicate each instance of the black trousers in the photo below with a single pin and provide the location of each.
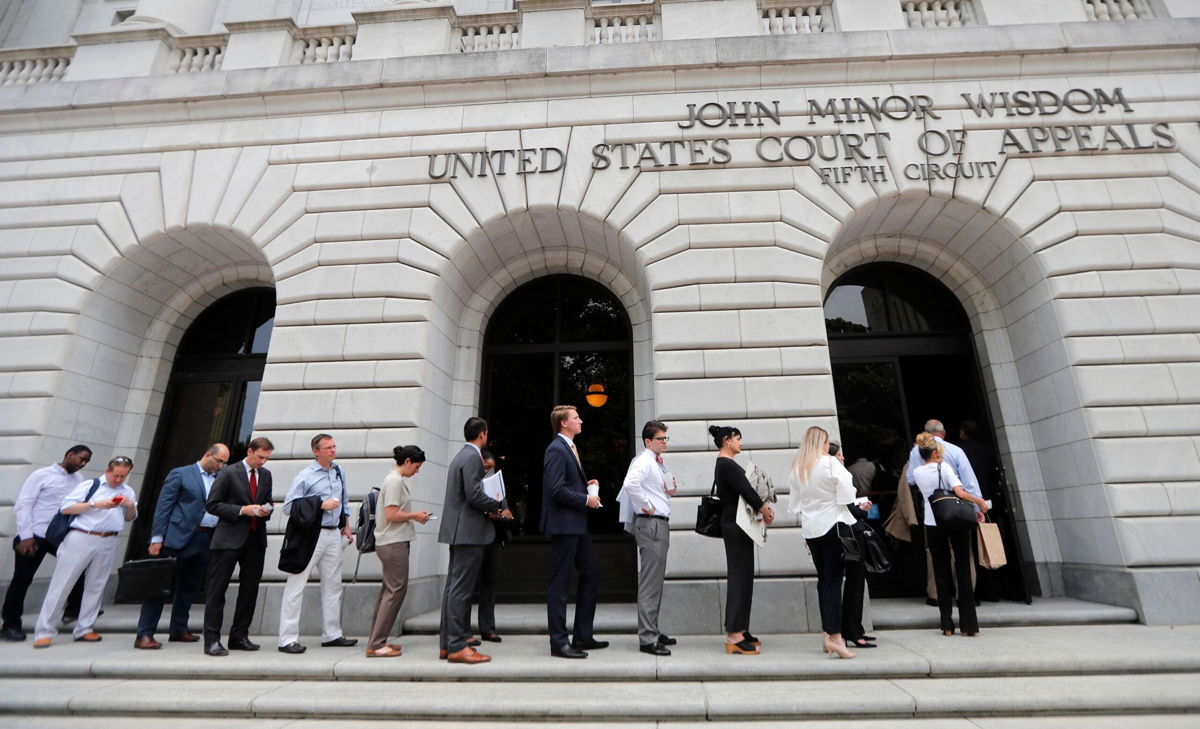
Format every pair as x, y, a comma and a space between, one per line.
25, 566
248, 558
567, 551
941, 543
191, 564
853, 591
489, 576
739, 578
827, 557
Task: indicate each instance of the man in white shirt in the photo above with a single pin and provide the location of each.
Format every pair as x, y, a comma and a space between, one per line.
90, 548
649, 487
36, 505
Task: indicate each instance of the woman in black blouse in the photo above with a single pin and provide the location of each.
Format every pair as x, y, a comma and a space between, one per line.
739, 548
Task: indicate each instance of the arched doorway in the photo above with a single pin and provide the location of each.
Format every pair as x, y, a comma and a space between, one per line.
902, 353
212, 394
547, 343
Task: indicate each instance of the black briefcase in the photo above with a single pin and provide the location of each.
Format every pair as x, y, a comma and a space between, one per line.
146, 579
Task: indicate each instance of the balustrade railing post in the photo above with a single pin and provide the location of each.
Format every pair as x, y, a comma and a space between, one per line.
868, 15
260, 43
1012, 12
546, 23
418, 30
710, 19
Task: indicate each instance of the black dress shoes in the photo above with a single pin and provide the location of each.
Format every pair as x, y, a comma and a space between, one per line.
567, 652
215, 649
294, 649
242, 644
664, 639
491, 638
654, 649
342, 642
591, 644
14, 634
474, 643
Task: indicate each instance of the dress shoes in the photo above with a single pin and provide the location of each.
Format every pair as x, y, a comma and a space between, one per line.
664, 639
90, 637
567, 652
591, 644
216, 649
294, 649
474, 643
442, 654
146, 643
491, 638
654, 649
184, 637
469, 656
242, 644
14, 634
342, 642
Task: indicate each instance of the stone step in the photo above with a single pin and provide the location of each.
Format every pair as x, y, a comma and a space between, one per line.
1013, 652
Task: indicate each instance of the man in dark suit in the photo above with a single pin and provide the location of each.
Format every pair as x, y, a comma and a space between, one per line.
565, 500
182, 529
467, 528
241, 498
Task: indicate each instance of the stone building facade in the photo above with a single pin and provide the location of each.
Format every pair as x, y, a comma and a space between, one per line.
394, 170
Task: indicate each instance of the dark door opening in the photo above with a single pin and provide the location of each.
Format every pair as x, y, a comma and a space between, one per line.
548, 343
212, 394
902, 353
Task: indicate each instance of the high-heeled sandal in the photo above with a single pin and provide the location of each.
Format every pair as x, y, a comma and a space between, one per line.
837, 649
742, 647
751, 639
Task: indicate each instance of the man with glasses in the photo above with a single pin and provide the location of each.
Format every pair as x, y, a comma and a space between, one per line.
649, 487
40, 498
100, 507
183, 530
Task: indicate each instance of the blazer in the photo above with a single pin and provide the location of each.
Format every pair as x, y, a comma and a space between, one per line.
180, 506
564, 491
465, 508
230, 492
300, 538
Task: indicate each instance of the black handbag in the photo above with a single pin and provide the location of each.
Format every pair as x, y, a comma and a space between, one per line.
950, 512
875, 553
146, 579
851, 549
708, 514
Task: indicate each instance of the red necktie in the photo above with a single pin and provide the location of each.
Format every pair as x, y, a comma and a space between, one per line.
253, 496
659, 459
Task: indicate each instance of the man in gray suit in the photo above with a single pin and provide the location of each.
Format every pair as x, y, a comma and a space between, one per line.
467, 528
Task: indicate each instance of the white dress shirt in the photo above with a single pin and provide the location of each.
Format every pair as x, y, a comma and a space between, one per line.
99, 520
41, 498
646, 484
821, 499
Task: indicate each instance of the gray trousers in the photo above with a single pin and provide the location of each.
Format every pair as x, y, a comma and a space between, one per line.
653, 537
463, 573
79, 554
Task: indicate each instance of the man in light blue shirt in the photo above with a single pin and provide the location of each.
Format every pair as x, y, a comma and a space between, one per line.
957, 459
323, 480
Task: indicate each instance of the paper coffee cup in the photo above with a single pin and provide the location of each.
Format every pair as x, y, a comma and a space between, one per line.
593, 489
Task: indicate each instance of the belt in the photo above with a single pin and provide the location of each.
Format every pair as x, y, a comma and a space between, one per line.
95, 534
205, 529
332, 527
655, 516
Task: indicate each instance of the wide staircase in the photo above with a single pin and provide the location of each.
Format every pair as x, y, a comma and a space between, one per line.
1057, 663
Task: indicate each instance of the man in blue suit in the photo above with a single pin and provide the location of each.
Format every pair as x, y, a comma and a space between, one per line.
565, 501
182, 529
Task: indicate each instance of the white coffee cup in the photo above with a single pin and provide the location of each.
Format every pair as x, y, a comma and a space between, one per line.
593, 489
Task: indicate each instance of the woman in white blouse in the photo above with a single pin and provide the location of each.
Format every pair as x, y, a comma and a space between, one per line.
821, 488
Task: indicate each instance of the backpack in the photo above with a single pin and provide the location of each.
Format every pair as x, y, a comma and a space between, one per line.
364, 535
60, 524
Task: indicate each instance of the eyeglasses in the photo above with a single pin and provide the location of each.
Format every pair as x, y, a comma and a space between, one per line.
663, 438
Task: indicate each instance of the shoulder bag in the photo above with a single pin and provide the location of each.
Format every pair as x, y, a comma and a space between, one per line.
949, 511
60, 523
851, 549
708, 514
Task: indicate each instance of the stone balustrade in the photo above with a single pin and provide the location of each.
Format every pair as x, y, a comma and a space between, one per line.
939, 13
1116, 10
435, 28
20, 67
793, 17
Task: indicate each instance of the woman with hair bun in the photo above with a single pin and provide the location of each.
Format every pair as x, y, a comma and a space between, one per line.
393, 532
731, 482
933, 474
821, 489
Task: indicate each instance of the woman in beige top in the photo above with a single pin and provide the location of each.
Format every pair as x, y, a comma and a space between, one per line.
393, 532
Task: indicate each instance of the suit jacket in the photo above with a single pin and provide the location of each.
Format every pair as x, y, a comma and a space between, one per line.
564, 491
180, 506
303, 531
230, 492
465, 509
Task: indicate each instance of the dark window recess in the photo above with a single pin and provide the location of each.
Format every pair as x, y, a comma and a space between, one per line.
891, 298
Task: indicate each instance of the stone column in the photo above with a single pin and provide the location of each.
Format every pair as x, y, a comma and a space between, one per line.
547, 23
182, 17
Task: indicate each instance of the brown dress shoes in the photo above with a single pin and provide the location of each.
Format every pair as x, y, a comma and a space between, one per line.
146, 643
467, 655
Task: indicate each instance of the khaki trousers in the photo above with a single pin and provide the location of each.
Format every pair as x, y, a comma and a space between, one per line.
394, 559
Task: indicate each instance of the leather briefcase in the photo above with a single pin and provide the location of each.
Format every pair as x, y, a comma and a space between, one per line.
146, 579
